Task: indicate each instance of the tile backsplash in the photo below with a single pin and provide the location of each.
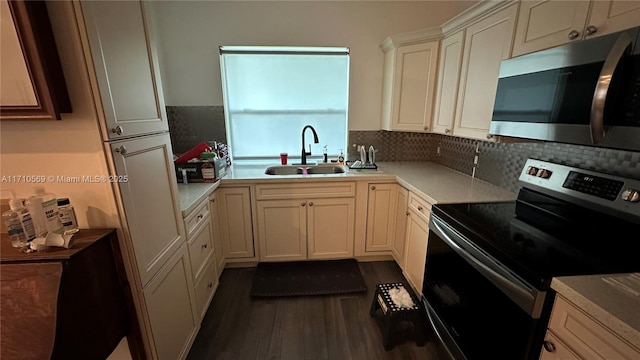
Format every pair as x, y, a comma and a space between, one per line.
498, 163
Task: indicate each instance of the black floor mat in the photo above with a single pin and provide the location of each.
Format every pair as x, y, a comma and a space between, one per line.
307, 278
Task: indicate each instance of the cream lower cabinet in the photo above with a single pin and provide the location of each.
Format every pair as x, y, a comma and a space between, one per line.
416, 235
201, 256
218, 253
573, 334
236, 226
381, 205
169, 302
305, 221
401, 214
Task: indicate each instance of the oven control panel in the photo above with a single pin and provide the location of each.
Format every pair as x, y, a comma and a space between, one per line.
595, 190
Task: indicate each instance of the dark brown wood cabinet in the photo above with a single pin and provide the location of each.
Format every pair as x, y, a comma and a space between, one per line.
32, 83
66, 303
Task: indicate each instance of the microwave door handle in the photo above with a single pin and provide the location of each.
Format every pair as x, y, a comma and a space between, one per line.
622, 46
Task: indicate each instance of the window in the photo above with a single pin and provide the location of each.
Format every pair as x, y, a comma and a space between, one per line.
271, 93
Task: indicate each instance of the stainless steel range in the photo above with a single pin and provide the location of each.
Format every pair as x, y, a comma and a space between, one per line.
489, 266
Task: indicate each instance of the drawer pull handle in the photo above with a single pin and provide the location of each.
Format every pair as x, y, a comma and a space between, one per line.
549, 346
419, 208
204, 246
210, 285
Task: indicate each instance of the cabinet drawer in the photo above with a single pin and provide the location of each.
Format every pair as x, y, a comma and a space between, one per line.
205, 287
585, 336
303, 191
420, 206
197, 216
200, 249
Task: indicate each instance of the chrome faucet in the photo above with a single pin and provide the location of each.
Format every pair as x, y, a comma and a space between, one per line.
303, 160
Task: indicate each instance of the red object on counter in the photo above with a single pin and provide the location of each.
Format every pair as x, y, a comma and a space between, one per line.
193, 153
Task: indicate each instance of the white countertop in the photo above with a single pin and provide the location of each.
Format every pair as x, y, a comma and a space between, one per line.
613, 307
434, 182
192, 194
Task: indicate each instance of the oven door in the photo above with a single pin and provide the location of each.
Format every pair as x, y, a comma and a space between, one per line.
478, 308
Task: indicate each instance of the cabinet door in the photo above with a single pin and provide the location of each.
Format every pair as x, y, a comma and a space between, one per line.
216, 232
235, 222
613, 15
414, 84
486, 44
126, 67
148, 189
401, 215
380, 217
330, 228
557, 350
448, 80
548, 23
170, 303
417, 234
282, 229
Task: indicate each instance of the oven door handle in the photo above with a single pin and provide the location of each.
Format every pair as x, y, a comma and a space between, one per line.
622, 46
518, 291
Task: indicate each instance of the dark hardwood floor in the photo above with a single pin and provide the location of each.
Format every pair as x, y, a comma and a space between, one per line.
238, 326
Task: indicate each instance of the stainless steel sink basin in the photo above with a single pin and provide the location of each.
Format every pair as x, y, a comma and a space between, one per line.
297, 170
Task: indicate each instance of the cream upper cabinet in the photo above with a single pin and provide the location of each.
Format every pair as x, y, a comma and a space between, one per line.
486, 43
545, 24
126, 67
236, 226
381, 217
401, 214
297, 221
448, 81
409, 79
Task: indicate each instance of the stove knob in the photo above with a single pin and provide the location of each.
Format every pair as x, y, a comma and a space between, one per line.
545, 174
532, 170
631, 195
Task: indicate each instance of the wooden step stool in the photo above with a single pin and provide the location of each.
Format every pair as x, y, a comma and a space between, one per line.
393, 316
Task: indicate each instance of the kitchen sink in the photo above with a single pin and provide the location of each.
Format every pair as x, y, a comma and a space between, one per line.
297, 170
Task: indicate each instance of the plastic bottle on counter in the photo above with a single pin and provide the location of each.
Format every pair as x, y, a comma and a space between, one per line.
67, 216
19, 224
341, 158
43, 208
208, 169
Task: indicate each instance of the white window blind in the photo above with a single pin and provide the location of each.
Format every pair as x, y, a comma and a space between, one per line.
271, 93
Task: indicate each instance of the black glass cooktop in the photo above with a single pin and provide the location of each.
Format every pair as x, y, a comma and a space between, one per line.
539, 237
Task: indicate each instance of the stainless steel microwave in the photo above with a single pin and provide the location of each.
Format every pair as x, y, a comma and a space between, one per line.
586, 92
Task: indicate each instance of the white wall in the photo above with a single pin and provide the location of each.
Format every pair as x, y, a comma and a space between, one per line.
69, 147
189, 33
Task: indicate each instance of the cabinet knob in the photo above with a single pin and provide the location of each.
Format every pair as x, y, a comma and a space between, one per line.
373, 188
204, 246
489, 136
573, 34
117, 130
446, 131
303, 203
549, 346
426, 128
200, 217
407, 213
210, 285
310, 203
419, 208
213, 200
121, 150
590, 30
